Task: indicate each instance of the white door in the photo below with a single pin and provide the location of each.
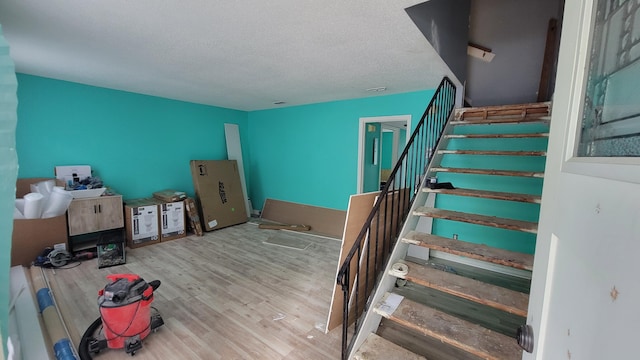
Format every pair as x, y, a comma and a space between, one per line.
585, 295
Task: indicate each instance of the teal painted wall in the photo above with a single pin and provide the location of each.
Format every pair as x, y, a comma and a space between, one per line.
137, 144
505, 239
371, 167
402, 141
387, 150
309, 154
8, 174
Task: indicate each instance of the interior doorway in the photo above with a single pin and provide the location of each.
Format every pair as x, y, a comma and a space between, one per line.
381, 140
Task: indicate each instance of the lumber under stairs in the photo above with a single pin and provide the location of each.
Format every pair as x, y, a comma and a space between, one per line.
465, 296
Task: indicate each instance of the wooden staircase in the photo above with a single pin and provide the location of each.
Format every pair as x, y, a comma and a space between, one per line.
464, 295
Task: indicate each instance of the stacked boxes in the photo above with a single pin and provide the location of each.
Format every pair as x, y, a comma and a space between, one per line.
152, 220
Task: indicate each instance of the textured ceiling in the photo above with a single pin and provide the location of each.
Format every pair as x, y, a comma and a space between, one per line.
242, 55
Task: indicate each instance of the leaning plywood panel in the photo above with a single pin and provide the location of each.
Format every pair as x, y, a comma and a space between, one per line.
218, 193
359, 208
323, 221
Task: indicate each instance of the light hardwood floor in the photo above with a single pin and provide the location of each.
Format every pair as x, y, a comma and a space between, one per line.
225, 295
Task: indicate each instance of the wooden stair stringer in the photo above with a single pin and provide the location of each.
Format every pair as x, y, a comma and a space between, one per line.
449, 329
497, 297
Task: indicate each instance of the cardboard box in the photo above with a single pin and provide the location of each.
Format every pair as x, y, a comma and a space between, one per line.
141, 222
172, 220
31, 236
218, 193
194, 218
170, 195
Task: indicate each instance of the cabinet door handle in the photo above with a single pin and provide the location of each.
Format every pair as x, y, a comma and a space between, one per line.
100, 208
95, 209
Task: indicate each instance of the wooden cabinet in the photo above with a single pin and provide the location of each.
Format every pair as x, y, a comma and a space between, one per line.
90, 215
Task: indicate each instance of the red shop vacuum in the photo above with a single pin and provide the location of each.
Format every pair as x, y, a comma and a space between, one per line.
126, 316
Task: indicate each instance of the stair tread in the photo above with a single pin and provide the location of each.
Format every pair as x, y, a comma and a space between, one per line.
495, 136
522, 110
504, 120
493, 221
449, 329
510, 301
536, 174
497, 195
471, 250
493, 152
376, 347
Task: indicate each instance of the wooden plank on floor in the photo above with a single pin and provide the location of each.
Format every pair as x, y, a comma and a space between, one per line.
484, 220
451, 330
324, 221
292, 227
474, 251
510, 301
485, 194
378, 348
535, 174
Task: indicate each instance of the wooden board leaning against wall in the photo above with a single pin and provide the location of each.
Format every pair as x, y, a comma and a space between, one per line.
322, 221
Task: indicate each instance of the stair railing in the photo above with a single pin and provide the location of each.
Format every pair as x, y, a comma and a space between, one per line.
368, 257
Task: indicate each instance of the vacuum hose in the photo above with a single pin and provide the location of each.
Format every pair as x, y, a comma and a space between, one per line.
83, 349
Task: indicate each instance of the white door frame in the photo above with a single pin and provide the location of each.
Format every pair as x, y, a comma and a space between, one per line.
362, 133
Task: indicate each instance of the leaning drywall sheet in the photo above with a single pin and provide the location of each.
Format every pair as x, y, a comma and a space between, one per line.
324, 221
359, 208
234, 152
